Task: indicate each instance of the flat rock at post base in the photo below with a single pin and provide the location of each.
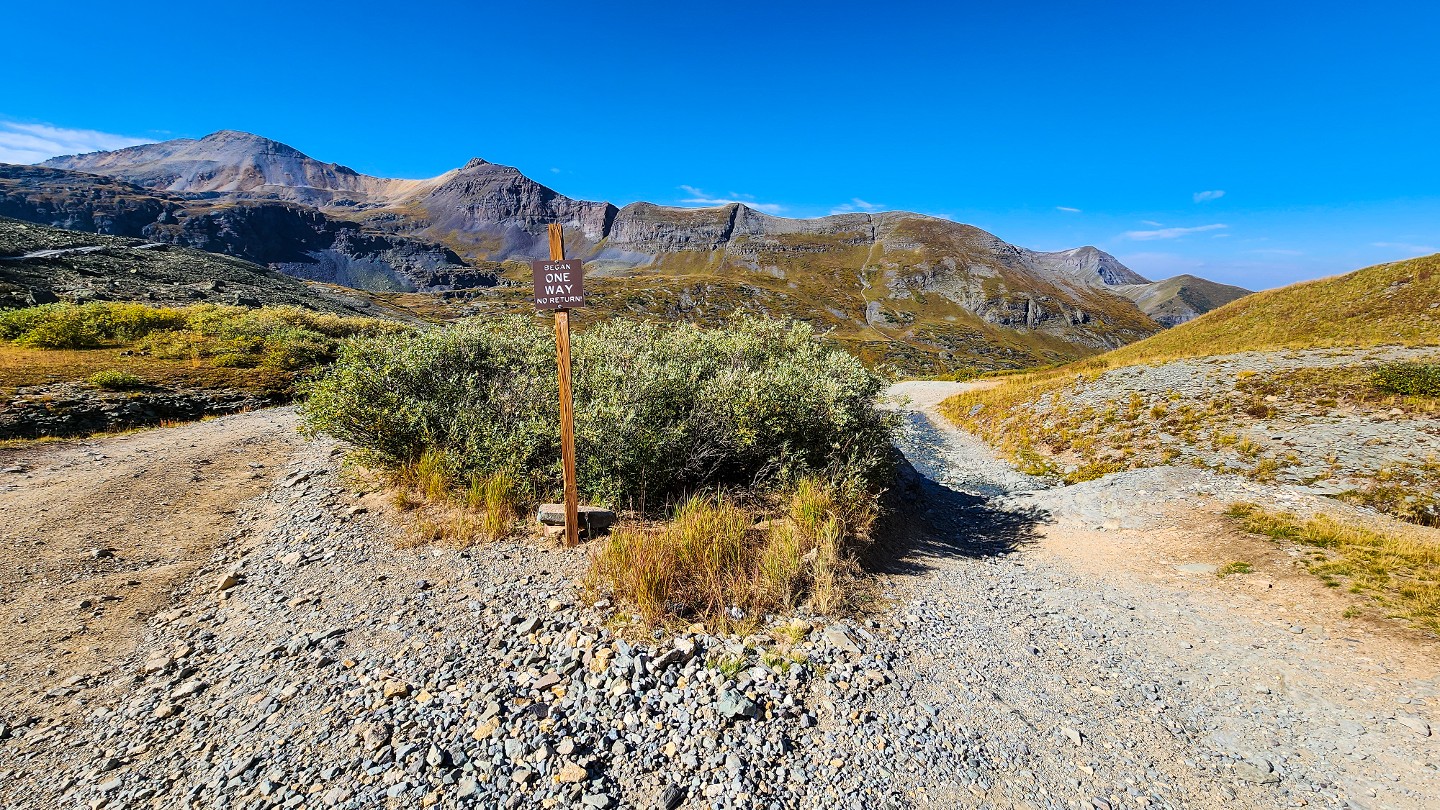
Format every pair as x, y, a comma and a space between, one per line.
593, 518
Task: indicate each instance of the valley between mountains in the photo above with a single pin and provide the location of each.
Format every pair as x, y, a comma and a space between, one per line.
211, 616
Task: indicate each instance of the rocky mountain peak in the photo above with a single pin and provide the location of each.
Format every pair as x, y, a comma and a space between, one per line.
225, 137
1090, 265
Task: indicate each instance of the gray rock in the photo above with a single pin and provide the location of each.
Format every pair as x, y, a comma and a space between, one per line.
593, 519
733, 705
839, 637
1414, 723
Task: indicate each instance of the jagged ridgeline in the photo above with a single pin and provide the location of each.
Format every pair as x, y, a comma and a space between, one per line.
915, 293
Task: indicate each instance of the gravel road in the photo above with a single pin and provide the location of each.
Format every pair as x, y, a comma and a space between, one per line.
1034, 647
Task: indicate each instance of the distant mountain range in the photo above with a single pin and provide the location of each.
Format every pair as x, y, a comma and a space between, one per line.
913, 291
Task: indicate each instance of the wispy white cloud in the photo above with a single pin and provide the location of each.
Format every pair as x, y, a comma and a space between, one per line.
1152, 223
1407, 248
1207, 196
856, 204
32, 143
698, 197
554, 170
1169, 233
1067, 209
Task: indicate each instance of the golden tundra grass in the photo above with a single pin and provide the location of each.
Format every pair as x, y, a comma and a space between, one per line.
487, 509
1397, 566
20, 366
714, 555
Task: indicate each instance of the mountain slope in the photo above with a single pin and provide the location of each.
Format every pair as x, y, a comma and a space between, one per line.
296, 239
237, 163
1180, 299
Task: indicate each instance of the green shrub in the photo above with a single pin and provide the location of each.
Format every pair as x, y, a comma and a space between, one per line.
113, 380
659, 410
1408, 379
278, 337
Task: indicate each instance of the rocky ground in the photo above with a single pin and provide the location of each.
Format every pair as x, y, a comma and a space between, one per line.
1301, 417
1042, 648
80, 409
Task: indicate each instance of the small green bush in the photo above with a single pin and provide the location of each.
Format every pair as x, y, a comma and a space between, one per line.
1237, 567
660, 410
1408, 379
113, 380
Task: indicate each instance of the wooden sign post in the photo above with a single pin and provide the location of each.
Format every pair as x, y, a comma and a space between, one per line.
559, 285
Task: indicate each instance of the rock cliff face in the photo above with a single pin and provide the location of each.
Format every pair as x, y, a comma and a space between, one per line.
296, 239
39, 265
303, 242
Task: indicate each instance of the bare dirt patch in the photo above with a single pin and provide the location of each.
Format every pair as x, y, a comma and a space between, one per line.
98, 534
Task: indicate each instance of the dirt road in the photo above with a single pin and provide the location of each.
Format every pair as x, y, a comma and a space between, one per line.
97, 534
1105, 613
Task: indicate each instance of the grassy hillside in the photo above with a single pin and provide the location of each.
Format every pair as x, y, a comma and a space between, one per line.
1128, 408
1388, 303
1180, 299
891, 308
1396, 303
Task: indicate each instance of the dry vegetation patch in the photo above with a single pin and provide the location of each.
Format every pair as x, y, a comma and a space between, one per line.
1313, 424
722, 559
1398, 567
203, 346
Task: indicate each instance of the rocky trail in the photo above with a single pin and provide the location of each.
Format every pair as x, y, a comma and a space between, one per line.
1033, 647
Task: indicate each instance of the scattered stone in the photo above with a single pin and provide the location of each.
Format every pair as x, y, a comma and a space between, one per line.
1260, 773
571, 773
733, 705
839, 637
1414, 723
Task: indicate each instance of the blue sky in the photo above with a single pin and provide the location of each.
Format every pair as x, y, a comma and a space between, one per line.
1253, 143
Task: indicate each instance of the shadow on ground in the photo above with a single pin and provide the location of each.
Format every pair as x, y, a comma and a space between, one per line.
923, 521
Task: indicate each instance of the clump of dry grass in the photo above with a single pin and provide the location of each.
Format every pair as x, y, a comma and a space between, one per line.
1398, 567
487, 509
496, 499
717, 560
1410, 492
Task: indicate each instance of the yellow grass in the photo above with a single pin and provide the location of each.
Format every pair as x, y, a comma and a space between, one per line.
1396, 566
1395, 303
21, 367
715, 555
1384, 304
488, 509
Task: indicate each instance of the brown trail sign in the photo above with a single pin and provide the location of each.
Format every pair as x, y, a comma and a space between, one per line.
559, 285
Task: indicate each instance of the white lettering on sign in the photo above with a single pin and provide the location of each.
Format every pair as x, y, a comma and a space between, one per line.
558, 283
